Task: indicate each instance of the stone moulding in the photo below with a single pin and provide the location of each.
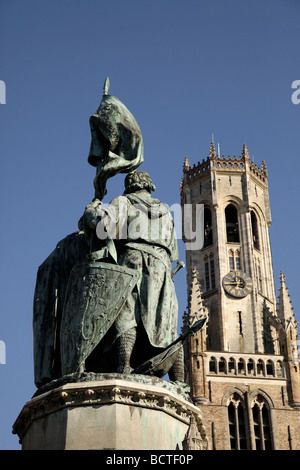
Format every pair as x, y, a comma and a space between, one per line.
101, 393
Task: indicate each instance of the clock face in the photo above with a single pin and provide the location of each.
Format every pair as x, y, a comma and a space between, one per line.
237, 284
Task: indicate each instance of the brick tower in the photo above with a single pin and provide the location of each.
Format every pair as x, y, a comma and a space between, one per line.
243, 367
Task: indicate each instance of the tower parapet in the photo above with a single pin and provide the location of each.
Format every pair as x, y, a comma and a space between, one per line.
225, 164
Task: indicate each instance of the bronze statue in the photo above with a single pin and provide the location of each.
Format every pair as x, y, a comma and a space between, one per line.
105, 299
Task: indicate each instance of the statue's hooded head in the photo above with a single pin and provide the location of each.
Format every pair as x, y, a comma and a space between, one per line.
117, 142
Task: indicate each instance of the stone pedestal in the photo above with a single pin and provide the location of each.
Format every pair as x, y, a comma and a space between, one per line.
111, 413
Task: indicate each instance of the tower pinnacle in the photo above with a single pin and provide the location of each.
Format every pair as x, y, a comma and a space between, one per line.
285, 309
245, 152
212, 151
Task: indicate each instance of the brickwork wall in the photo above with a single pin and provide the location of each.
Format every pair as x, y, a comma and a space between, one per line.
215, 415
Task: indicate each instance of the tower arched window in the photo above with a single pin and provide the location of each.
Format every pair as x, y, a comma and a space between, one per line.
237, 417
237, 260
210, 278
254, 226
231, 259
232, 225
261, 424
208, 234
259, 275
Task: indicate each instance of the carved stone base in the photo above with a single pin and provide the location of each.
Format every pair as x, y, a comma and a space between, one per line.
108, 414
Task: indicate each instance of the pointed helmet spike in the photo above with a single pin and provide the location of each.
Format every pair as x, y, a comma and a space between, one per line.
106, 86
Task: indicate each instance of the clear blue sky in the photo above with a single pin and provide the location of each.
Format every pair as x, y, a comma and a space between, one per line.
186, 69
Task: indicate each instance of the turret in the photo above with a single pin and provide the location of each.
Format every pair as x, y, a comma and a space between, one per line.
195, 346
288, 339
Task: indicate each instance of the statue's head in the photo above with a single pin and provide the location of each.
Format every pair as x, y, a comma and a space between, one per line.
138, 181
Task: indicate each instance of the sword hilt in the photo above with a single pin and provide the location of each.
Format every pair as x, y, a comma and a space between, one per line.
180, 264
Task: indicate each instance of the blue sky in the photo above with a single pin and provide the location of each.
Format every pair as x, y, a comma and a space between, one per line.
186, 69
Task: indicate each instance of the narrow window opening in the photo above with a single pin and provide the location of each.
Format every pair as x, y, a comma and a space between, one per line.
208, 235
242, 428
240, 323
254, 230
212, 274
237, 260
222, 365
212, 365
256, 426
237, 424
259, 276
231, 260
231, 366
232, 226
260, 367
269, 368
241, 367
232, 426
250, 367
210, 278
207, 283
261, 425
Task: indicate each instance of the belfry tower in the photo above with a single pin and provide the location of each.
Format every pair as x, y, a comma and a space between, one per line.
243, 368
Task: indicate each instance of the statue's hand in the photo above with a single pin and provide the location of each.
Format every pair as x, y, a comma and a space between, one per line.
91, 216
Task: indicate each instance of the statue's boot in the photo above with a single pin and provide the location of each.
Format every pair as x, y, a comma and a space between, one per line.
125, 344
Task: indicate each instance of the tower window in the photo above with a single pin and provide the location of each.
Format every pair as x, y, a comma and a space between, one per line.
231, 259
232, 226
254, 226
261, 423
210, 278
207, 283
237, 424
234, 260
212, 365
259, 276
208, 235
237, 260
212, 274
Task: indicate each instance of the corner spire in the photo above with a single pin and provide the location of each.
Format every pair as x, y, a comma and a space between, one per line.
285, 309
264, 166
245, 153
196, 307
212, 151
186, 164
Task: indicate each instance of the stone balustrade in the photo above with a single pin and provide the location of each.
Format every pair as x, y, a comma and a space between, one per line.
245, 365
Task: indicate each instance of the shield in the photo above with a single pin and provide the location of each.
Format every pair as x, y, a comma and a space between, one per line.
95, 295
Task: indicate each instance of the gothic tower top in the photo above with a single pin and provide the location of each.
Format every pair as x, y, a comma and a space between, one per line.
226, 164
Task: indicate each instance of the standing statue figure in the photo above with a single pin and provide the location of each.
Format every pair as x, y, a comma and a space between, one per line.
104, 298
145, 241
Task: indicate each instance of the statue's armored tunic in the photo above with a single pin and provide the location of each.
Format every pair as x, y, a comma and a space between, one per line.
150, 246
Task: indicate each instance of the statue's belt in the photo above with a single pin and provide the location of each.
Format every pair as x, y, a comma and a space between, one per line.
103, 253
151, 251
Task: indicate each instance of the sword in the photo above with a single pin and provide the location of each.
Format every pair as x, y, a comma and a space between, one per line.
160, 364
